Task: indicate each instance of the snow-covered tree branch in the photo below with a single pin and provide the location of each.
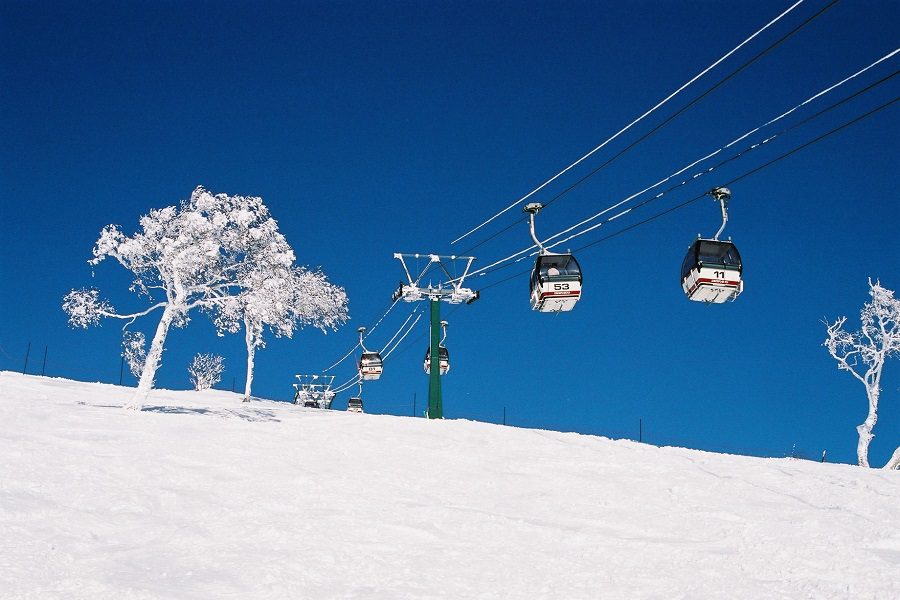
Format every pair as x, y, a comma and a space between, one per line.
863, 354
134, 351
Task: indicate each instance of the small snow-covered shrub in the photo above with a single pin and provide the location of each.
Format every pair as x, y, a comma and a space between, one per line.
206, 371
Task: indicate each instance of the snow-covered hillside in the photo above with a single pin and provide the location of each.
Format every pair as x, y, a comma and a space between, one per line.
201, 496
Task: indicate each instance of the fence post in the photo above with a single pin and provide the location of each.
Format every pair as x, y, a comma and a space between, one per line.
27, 352
121, 369
823, 455
44, 366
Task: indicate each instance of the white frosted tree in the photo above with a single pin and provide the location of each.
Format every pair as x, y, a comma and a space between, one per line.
863, 354
206, 371
279, 297
189, 256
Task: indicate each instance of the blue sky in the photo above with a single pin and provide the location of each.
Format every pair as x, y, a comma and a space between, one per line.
373, 128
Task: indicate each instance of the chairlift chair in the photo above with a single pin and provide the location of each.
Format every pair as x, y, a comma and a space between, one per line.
556, 278
711, 271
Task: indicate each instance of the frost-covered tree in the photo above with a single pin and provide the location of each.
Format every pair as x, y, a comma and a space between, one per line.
206, 371
184, 257
278, 296
134, 351
863, 354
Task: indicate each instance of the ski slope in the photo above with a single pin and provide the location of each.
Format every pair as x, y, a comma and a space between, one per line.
201, 496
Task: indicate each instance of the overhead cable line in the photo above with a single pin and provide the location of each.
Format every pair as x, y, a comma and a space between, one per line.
710, 155
743, 137
728, 183
353, 349
386, 346
411, 327
347, 384
690, 104
424, 333
630, 125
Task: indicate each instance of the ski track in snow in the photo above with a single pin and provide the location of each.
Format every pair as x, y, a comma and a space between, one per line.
201, 496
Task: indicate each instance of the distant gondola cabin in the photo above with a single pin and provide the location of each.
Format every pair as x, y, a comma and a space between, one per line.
370, 366
443, 360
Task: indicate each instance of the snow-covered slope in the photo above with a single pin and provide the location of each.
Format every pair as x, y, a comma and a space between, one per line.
200, 496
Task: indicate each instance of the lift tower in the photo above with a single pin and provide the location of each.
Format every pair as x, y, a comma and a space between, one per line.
451, 291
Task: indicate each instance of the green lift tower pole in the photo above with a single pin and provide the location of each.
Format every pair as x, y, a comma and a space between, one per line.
451, 291
435, 402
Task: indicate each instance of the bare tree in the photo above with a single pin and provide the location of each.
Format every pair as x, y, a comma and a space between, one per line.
206, 371
863, 354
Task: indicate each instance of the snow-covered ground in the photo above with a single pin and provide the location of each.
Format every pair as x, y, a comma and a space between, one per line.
201, 496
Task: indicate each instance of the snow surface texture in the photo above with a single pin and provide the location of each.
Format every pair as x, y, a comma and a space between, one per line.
201, 496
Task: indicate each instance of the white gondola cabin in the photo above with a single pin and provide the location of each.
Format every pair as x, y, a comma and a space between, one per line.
355, 405
370, 365
556, 278
443, 360
711, 272
555, 283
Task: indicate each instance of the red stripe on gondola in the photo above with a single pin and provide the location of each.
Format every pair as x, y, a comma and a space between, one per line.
725, 282
560, 294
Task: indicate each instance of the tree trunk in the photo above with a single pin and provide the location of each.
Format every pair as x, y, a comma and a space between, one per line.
894, 463
250, 338
154, 356
865, 428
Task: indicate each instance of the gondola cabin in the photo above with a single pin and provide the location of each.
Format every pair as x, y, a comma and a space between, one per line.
443, 360
370, 366
555, 283
355, 405
711, 272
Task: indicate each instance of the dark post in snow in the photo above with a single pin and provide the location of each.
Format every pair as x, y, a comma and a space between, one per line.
121, 369
823, 455
27, 352
44, 366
